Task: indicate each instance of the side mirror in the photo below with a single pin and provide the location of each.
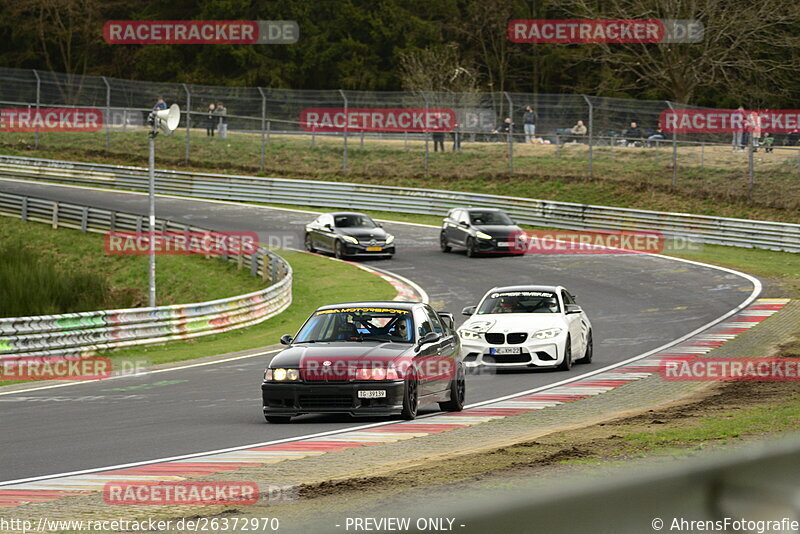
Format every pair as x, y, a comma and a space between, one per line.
448, 320
286, 339
463, 224
469, 311
379, 224
573, 308
430, 337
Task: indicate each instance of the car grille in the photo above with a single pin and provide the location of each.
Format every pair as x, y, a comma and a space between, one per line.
372, 242
495, 339
507, 358
316, 402
514, 338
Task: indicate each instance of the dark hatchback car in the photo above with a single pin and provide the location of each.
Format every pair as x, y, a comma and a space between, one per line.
366, 359
481, 230
346, 234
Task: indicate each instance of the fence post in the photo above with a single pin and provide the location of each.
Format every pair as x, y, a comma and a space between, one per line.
674, 151
405, 141
591, 133
188, 121
427, 134
108, 111
510, 133
344, 154
702, 154
750, 169
55, 215
38, 100
24, 213
263, 127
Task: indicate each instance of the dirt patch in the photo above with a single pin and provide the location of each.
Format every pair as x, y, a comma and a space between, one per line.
597, 444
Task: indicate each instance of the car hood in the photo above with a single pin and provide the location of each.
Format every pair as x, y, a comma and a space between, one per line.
497, 230
299, 355
513, 322
363, 233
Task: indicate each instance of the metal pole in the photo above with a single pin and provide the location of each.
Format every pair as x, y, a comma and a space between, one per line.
344, 154
188, 122
674, 152
702, 154
510, 133
263, 128
152, 195
591, 133
108, 111
405, 141
750, 170
427, 134
38, 99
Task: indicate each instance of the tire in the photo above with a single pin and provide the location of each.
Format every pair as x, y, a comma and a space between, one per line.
337, 250
277, 419
589, 352
443, 243
471, 252
566, 365
309, 243
410, 399
458, 390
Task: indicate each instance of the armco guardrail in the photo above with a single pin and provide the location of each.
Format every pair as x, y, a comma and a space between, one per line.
706, 229
50, 335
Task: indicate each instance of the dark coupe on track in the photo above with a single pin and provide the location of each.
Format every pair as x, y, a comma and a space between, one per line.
346, 234
366, 359
481, 230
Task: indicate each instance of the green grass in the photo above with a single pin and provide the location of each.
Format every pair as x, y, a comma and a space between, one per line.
317, 281
724, 427
627, 177
64, 270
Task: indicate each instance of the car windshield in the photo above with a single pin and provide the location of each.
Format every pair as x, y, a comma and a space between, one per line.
490, 217
358, 324
353, 220
520, 302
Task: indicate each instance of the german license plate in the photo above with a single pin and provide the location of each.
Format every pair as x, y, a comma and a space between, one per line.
503, 244
505, 350
372, 394
374, 249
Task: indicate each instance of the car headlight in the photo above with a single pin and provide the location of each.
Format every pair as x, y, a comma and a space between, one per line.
350, 239
389, 239
481, 235
469, 334
547, 333
282, 375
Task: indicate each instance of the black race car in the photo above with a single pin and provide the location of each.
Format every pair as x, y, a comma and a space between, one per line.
348, 234
481, 230
366, 359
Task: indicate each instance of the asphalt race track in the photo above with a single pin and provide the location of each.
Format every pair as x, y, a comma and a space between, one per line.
636, 303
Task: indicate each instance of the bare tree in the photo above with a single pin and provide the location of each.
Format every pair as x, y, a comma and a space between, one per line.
745, 46
438, 69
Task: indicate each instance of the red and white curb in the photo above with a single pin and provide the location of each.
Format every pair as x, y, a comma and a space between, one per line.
214, 463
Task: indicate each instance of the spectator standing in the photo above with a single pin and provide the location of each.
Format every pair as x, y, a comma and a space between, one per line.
738, 118
457, 138
222, 113
438, 136
211, 120
529, 124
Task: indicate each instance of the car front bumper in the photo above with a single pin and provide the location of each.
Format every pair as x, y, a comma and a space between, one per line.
296, 398
351, 249
536, 353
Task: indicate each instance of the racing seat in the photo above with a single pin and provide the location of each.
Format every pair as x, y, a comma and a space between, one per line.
346, 331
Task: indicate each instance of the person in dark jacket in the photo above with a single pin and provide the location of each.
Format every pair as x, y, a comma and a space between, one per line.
211, 121
633, 135
529, 124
